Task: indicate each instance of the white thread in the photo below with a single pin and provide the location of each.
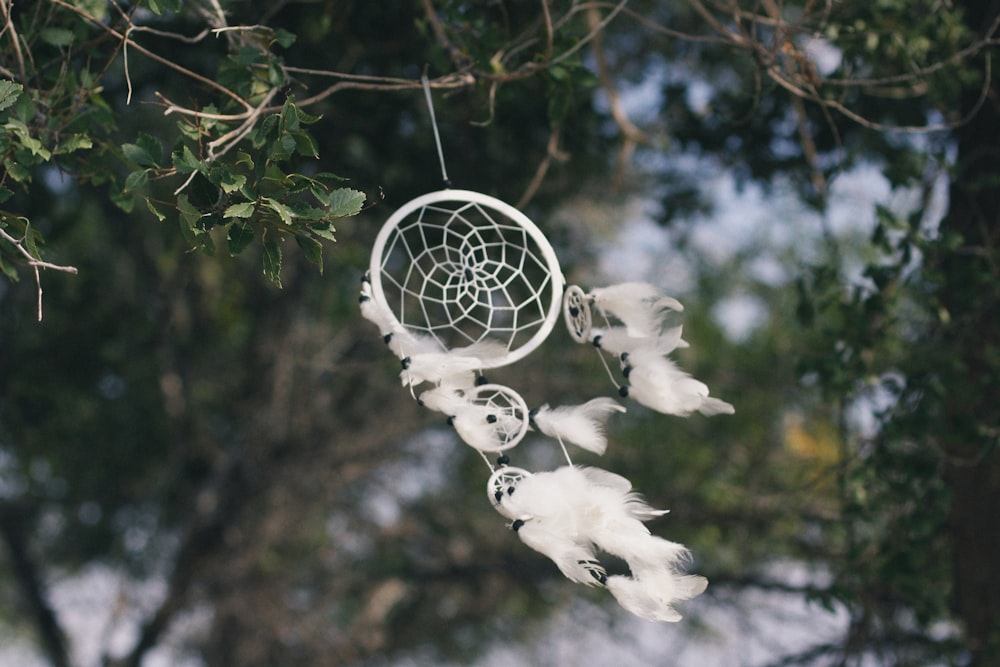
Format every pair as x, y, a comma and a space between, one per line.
437, 137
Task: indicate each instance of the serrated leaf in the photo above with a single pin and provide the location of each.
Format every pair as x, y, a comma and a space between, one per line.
312, 249
17, 171
241, 210
239, 237
325, 231
185, 161
232, 182
345, 202
74, 142
286, 214
272, 261
152, 146
9, 92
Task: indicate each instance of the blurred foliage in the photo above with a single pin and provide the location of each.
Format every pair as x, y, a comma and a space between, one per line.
177, 417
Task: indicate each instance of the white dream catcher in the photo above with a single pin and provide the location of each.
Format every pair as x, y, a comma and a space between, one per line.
460, 282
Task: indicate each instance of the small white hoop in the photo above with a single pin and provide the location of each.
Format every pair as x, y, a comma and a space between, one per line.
576, 313
502, 479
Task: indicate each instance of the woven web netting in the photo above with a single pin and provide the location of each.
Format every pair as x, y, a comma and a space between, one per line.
464, 268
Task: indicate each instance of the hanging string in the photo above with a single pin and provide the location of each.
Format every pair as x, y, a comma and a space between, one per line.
437, 137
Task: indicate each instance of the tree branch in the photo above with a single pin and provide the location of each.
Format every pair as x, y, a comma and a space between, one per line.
26, 571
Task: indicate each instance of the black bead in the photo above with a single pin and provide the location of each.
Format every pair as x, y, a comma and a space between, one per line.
516, 526
503, 460
405, 361
491, 419
623, 391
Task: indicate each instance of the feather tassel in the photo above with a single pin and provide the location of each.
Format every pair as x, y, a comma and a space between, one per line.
617, 341
657, 383
581, 425
570, 513
653, 597
639, 306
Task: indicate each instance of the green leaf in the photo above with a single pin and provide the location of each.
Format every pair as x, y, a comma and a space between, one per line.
243, 157
185, 161
189, 214
324, 231
345, 202
232, 182
305, 144
56, 36
74, 142
29, 240
9, 92
272, 261
5, 193
312, 249
123, 199
285, 213
241, 210
284, 38
239, 237
155, 211
136, 180
17, 171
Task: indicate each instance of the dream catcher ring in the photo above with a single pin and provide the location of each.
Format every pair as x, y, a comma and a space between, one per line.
576, 313
495, 420
501, 481
464, 267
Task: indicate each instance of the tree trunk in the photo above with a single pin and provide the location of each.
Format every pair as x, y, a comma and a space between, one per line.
970, 344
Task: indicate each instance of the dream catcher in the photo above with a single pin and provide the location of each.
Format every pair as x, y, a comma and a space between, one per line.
461, 282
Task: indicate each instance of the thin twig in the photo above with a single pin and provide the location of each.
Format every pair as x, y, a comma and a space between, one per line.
36, 264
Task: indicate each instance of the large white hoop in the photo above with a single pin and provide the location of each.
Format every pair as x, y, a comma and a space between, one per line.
463, 266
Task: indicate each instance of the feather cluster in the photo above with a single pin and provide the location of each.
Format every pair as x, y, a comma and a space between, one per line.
642, 347
572, 513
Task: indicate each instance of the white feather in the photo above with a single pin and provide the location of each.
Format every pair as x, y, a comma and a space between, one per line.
473, 425
581, 425
618, 341
444, 399
560, 542
401, 341
454, 368
653, 597
657, 383
639, 306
